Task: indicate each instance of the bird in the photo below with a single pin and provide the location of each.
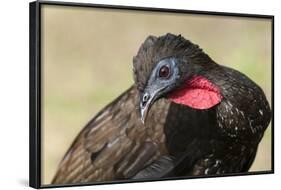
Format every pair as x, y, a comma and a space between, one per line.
185, 115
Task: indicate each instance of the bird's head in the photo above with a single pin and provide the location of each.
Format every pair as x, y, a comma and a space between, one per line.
172, 67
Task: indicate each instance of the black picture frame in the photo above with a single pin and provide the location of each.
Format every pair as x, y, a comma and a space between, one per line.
35, 86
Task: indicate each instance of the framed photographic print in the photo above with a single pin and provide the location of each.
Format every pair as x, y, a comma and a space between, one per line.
131, 94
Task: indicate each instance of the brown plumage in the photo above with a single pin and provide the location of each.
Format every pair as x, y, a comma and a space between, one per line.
175, 139
115, 144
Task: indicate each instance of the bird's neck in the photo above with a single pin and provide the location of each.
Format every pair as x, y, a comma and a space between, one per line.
198, 93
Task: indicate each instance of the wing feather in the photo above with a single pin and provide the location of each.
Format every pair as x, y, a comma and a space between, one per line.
114, 144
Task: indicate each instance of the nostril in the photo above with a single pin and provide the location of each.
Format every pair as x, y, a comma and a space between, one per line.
145, 97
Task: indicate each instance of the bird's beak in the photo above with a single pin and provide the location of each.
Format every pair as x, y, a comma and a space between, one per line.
146, 101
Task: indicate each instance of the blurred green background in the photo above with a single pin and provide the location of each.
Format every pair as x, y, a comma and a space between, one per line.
87, 62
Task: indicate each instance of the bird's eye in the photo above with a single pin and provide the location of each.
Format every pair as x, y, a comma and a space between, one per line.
164, 71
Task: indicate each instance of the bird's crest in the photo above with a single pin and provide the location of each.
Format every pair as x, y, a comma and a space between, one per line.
155, 49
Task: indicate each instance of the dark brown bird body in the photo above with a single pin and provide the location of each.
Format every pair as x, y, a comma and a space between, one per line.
176, 140
115, 144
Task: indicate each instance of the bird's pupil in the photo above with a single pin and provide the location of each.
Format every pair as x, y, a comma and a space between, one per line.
164, 71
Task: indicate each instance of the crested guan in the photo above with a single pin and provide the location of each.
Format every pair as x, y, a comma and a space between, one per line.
185, 116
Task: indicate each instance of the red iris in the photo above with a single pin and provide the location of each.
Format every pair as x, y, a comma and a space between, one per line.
164, 72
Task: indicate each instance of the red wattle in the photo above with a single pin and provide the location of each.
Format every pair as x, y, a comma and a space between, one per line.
198, 93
